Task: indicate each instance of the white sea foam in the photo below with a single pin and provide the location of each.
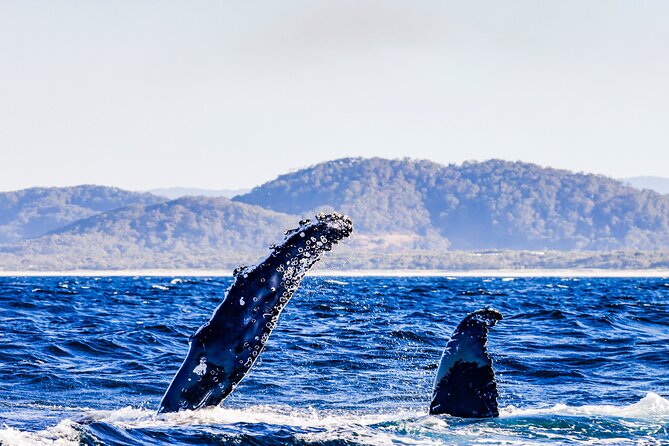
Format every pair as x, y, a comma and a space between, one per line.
403, 427
63, 434
652, 406
129, 417
336, 282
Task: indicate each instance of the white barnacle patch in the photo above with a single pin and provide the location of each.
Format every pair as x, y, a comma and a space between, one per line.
201, 368
242, 301
302, 234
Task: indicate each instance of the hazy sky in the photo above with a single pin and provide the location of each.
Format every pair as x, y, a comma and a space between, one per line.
222, 94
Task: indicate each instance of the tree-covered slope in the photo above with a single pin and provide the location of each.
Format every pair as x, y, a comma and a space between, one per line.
188, 232
406, 213
29, 213
492, 204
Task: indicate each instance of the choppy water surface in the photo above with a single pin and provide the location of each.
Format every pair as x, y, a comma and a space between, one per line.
85, 360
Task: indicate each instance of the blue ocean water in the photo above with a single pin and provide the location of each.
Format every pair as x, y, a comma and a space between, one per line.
85, 360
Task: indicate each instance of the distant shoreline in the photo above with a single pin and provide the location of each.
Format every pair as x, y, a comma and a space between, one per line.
585, 272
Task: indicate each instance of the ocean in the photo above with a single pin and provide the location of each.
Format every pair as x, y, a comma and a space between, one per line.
86, 360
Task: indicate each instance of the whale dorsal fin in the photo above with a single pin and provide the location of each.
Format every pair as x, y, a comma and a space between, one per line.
465, 383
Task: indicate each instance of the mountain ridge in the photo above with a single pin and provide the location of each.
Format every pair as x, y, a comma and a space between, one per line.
32, 212
406, 212
190, 231
493, 204
173, 193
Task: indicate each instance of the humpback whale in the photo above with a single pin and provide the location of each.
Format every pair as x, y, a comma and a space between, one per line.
222, 351
465, 383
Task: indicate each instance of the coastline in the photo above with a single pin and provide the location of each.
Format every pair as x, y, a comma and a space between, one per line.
585, 272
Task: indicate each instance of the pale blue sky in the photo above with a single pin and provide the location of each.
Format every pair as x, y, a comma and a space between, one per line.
221, 94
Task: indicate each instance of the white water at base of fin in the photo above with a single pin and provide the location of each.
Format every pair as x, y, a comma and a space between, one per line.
373, 429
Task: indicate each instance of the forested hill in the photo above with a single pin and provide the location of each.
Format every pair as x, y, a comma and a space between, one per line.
492, 204
407, 214
30, 213
191, 232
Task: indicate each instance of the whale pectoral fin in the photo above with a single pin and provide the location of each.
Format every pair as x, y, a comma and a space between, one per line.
196, 382
465, 384
224, 349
